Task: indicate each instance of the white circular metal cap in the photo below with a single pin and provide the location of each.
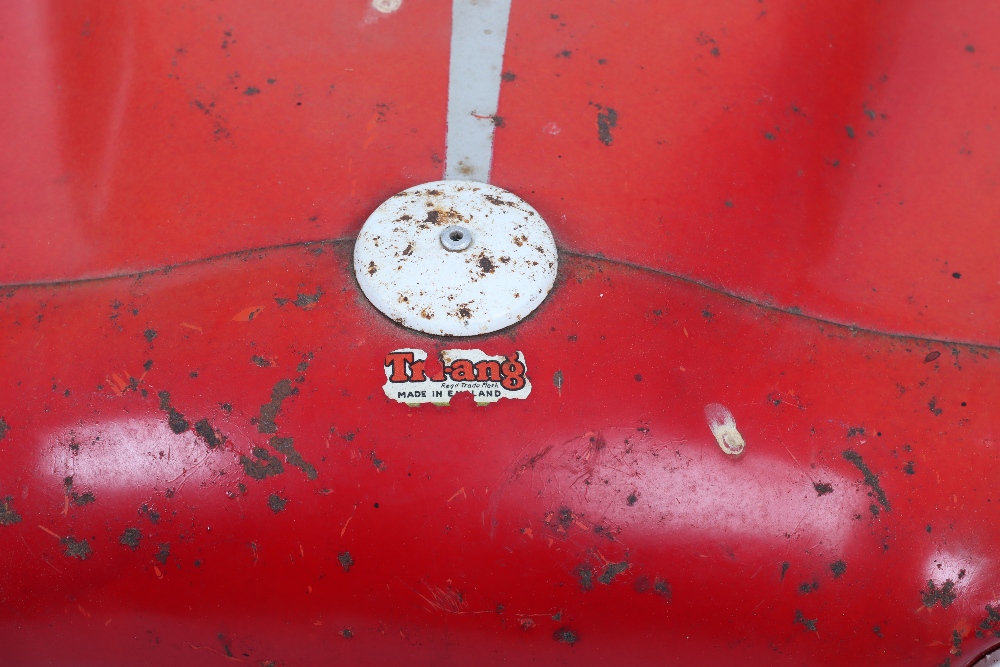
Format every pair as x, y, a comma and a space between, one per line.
415, 263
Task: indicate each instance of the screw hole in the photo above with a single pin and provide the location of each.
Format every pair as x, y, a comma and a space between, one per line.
455, 236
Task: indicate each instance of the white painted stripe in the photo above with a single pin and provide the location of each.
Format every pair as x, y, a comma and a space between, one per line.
478, 37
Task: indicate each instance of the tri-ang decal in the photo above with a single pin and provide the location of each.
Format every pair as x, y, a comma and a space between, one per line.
488, 378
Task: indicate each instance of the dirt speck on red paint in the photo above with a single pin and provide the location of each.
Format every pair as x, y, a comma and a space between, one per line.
658, 585
85, 498
163, 553
307, 301
345, 560
287, 447
871, 479
931, 356
76, 548
262, 466
838, 568
934, 595
150, 334
276, 502
612, 570
566, 636
175, 419
823, 488
153, 515
131, 538
260, 361
8, 515
807, 623
784, 569
808, 587
269, 411
347, 633
205, 431
989, 624
4, 428
606, 120
585, 576
910, 468
226, 647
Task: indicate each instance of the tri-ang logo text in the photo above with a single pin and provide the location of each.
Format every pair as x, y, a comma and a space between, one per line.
487, 378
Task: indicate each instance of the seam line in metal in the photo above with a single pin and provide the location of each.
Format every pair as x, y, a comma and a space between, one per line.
853, 328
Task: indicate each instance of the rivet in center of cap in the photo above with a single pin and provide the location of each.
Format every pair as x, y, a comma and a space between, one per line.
455, 258
456, 238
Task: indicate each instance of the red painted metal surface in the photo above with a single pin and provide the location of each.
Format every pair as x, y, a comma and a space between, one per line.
147, 134
835, 158
477, 533
596, 522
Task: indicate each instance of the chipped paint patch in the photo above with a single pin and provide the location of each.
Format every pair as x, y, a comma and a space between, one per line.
487, 378
386, 6
723, 427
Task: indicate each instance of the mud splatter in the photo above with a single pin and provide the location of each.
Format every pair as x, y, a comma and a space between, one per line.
263, 465
287, 447
175, 419
566, 636
8, 515
606, 120
153, 515
276, 503
933, 595
808, 587
205, 431
282, 390
131, 538
76, 548
871, 479
659, 586
807, 623
307, 301
611, 571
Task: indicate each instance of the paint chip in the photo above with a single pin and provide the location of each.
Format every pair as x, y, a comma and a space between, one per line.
723, 427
